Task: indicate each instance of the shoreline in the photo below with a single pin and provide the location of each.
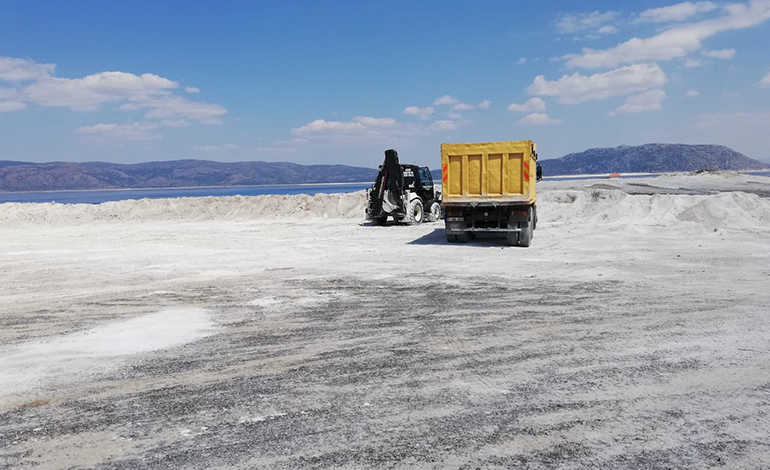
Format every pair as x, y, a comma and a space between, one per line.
764, 172
181, 188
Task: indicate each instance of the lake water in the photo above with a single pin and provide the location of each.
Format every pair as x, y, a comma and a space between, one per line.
96, 197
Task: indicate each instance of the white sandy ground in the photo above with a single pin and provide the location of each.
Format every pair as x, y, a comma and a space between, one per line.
72, 357
284, 332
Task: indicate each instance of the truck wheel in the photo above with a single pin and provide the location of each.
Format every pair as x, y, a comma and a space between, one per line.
525, 236
513, 238
380, 220
415, 212
461, 238
534, 219
434, 211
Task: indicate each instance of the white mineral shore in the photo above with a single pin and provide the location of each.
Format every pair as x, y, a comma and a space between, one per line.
286, 332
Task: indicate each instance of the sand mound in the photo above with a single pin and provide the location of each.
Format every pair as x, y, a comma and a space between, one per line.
725, 210
191, 208
574, 207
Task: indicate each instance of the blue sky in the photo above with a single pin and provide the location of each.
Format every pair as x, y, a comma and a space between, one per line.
340, 82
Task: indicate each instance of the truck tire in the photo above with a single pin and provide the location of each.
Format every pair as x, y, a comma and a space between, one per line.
434, 211
461, 238
415, 213
525, 236
534, 219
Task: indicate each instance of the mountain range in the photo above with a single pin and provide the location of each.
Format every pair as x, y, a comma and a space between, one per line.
650, 158
21, 176
653, 158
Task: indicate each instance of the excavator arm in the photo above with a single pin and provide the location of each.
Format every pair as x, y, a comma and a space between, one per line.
386, 197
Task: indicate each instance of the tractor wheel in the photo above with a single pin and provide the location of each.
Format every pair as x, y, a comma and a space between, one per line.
434, 211
415, 212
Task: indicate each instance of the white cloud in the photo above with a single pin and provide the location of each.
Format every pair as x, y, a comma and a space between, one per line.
454, 115
89, 93
423, 113
647, 101
678, 12
742, 120
721, 54
9, 93
174, 123
19, 70
10, 100
360, 126
9, 106
576, 88
575, 22
608, 29
532, 104
445, 100
521, 61
132, 131
173, 106
765, 82
443, 126
485, 104
462, 107
692, 63
215, 148
675, 42
192, 89
537, 119
692, 93
148, 92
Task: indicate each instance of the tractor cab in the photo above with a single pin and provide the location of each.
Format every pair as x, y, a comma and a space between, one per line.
419, 180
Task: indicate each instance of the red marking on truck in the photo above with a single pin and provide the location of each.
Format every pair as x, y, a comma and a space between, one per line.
526, 176
526, 165
444, 178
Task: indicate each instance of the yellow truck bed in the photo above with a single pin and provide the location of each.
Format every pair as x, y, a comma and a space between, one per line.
492, 173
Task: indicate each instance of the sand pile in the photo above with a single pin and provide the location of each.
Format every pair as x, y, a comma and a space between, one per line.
573, 207
607, 207
191, 208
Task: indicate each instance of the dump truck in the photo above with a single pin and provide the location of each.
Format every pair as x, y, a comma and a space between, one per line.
490, 187
403, 192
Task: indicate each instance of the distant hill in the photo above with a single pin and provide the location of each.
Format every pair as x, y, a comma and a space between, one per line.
650, 158
21, 176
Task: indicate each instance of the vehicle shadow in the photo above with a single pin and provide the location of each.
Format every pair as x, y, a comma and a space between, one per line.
482, 240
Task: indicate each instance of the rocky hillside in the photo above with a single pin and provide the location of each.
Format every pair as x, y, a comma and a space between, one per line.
20, 176
650, 158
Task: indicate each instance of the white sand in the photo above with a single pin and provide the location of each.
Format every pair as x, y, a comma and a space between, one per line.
73, 357
634, 332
